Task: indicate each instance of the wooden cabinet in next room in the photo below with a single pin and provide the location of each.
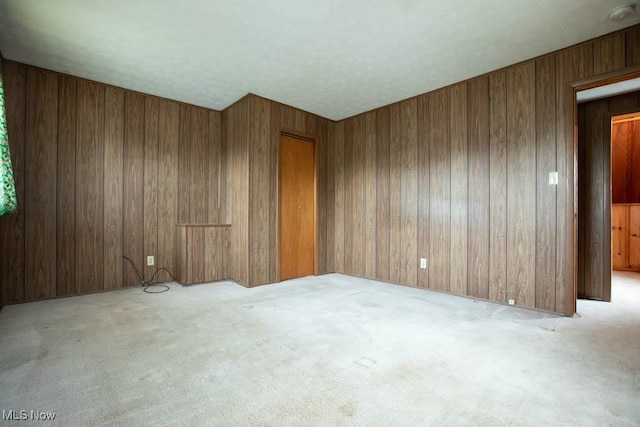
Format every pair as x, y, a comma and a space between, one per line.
625, 237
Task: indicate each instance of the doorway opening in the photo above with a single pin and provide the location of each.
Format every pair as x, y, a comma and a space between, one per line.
297, 207
625, 192
608, 157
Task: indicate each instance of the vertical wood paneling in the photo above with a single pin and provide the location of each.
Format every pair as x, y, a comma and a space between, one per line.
198, 183
259, 180
133, 206
182, 255
399, 205
102, 183
168, 134
498, 187
321, 196
276, 127
12, 228
571, 65
395, 209
424, 144
253, 128
299, 119
196, 242
382, 194
634, 168
409, 192
459, 194
478, 128
66, 187
215, 169
330, 210
184, 165
632, 47
90, 187
606, 223
625, 162
608, 54
338, 161
40, 184
582, 126
214, 253
521, 175
200, 253
238, 162
370, 238
113, 186
351, 170
546, 194
440, 190
151, 123
227, 268
620, 164
349, 173
225, 250
355, 173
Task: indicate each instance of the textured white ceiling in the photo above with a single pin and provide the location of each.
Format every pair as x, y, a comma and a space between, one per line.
335, 58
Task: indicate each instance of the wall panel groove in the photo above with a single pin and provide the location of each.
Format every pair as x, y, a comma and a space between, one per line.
498, 182
521, 196
40, 184
478, 251
66, 187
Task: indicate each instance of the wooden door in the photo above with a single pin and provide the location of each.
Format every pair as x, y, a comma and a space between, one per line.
297, 208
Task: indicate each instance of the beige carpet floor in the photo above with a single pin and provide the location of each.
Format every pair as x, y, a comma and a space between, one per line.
327, 350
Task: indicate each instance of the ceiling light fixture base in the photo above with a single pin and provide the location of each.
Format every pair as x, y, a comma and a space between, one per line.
621, 12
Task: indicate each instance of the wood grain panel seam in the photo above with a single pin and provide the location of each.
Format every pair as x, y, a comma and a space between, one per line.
535, 182
101, 161
468, 192
488, 148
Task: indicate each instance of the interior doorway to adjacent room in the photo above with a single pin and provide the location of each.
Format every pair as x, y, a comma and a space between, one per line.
608, 186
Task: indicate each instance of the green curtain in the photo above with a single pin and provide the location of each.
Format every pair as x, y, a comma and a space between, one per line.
8, 200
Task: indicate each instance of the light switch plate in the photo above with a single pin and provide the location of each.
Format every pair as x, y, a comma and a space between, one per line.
423, 263
150, 260
553, 178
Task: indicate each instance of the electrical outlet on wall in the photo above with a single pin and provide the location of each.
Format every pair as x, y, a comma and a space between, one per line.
423, 263
150, 260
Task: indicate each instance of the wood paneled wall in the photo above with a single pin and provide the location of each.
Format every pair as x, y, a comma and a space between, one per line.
201, 253
625, 162
459, 176
252, 129
594, 180
101, 172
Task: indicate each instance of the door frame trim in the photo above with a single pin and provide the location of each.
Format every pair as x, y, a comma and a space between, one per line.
309, 138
